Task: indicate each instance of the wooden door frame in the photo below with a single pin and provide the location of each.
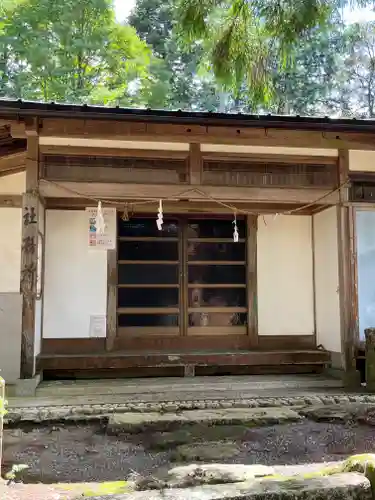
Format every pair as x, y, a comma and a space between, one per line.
113, 338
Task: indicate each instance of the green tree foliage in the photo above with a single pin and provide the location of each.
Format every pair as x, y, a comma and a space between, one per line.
244, 38
69, 52
308, 85
291, 56
358, 80
178, 81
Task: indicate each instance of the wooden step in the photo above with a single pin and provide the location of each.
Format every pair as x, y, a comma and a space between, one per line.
125, 360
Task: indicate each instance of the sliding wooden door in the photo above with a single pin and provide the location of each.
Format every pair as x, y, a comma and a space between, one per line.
149, 278
188, 280
215, 277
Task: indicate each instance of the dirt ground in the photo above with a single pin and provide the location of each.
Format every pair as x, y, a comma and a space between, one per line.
85, 453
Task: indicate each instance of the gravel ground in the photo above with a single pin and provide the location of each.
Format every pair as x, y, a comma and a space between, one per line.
78, 453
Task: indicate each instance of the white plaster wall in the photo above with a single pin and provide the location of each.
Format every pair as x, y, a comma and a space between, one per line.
362, 161
285, 276
13, 184
327, 299
75, 285
10, 249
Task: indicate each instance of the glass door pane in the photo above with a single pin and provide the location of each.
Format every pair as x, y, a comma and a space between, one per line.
365, 229
148, 295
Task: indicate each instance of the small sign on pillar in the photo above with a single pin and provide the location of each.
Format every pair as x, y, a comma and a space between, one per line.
107, 240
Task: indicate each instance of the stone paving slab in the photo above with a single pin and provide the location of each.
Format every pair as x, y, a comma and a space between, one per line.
168, 396
138, 422
347, 486
251, 384
32, 412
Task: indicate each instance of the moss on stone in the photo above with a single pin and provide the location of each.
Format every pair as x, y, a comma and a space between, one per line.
327, 471
364, 464
97, 489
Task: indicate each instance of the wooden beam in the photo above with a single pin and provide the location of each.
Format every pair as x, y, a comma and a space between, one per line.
185, 192
178, 207
12, 163
112, 152
267, 343
12, 148
216, 156
18, 129
111, 299
122, 360
252, 283
145, 131
29, 257
195, 164
345, 257
283, 342
11, 200
270, 158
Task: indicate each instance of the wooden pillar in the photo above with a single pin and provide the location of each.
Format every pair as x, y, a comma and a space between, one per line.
111, 299
29, 252
346, 276
252, 280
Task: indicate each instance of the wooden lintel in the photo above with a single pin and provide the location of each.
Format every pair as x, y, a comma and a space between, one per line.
123, 192
195, 164
144, 131
29, 258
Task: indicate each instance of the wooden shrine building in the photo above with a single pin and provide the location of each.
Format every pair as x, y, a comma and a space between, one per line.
284, 297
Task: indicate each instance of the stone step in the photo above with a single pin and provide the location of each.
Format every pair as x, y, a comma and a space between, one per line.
346, 486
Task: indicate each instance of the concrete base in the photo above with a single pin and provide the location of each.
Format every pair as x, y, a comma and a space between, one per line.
25, 388
351, 380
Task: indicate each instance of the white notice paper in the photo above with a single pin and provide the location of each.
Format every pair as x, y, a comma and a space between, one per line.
106, 241
98, 326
